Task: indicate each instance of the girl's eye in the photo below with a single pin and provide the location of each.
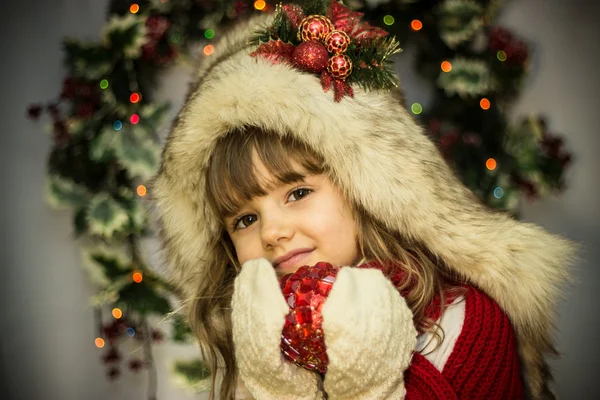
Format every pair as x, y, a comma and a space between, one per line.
299, 194
244, 221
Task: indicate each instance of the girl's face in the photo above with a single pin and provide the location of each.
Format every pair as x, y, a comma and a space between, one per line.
295, 224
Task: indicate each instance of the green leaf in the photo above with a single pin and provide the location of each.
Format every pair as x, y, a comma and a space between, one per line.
137, 151
181, 329
154, 115
459, 20
63, 193
126, 34
89, 61
102, 146
106, 264
105, 216
193, 373
143, 298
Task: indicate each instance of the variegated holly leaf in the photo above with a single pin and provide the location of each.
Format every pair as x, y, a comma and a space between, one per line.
89, 61
459, 20
105, 264
154, 115
138, 214
102, 146
105, 216
126, 34
62, 193
193, 373
468, 78
137, 151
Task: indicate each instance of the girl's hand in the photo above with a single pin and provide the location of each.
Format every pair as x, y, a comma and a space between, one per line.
258, 315
370, 337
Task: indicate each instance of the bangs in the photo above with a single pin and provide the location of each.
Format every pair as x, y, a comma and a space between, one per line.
231, 179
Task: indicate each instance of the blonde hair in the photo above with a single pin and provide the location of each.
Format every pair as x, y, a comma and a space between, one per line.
230, 182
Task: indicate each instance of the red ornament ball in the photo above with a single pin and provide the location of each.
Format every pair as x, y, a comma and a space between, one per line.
314, 27
339, 66
311, 56
337, 42
305, 291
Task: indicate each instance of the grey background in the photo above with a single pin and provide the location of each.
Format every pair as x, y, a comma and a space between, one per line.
47, 329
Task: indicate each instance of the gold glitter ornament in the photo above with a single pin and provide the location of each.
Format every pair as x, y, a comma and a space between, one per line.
339, 66
337, 42
311, 56
314, 27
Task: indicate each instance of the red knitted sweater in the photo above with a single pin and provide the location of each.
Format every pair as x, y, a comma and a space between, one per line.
483, 364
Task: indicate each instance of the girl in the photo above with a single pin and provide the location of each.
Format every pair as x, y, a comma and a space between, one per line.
265, 171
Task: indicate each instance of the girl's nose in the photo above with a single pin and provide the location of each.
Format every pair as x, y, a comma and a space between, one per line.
274, 231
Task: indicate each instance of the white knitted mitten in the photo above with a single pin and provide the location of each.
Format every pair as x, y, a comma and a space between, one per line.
258, 315
370, 337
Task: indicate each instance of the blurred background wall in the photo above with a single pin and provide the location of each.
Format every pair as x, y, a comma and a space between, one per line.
47, 326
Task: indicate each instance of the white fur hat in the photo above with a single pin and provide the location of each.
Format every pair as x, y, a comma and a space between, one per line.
382, 160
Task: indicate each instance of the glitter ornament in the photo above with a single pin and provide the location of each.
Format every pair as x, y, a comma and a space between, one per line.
305, 291
337, 42
339, 66
310, 56
314, 27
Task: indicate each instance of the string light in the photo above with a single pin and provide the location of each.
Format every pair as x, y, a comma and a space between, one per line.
141, 190
389, 20
416, 108
446, 66
209, 49
485, 104
117, 125
498, 192
491, 164
130, 332
501, 55
103, 84
209, 33
135, 98
99, 342
117, 313
134, 119
175, 38
134, 8
416, 25
137, 276
260, 5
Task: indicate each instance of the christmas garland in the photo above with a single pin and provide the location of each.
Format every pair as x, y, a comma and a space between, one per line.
105, 122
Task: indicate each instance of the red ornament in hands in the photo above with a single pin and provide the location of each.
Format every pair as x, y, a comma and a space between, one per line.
305, 291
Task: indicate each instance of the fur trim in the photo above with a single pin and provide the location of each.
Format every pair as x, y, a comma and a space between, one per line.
383, 161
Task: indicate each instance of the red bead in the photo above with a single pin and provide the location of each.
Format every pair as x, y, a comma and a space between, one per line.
302, 339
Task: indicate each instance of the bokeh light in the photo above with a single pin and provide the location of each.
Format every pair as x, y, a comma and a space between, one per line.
209, 49
485, 104
498, 192
99, 342
141, 190
130, 332
446, 66
416, 25
103, 84
134, 8
501, 55
416, 108
117, 313
209, 33
135, 98
134, 119
260, 4
491, 164
117, 125
389, 20
137, 276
